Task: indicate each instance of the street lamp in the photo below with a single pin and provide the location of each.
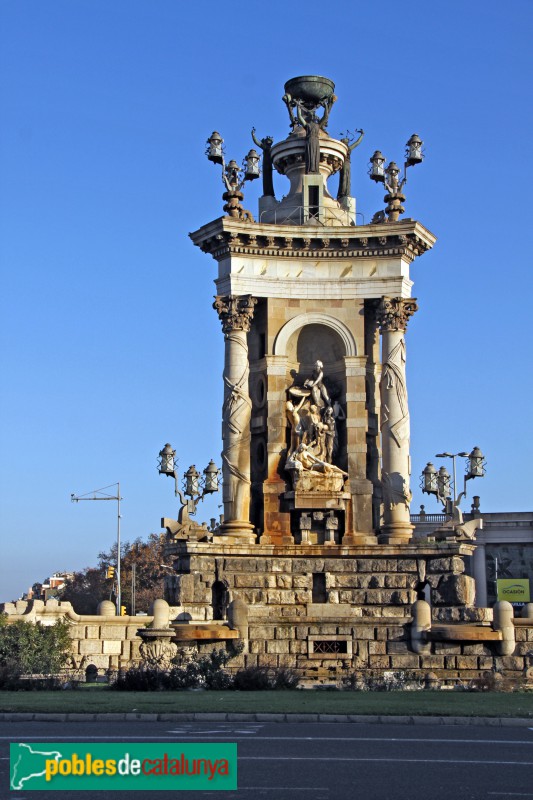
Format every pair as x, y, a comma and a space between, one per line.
233, 176
100, 494
439, 483
195, 487
389, 176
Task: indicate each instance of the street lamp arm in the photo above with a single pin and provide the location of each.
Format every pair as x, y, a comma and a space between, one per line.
177, 490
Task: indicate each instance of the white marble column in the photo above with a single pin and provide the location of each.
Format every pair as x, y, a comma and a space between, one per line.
392, 315
236, 314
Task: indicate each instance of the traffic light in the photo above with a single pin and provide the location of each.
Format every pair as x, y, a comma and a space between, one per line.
122, 611
110, 573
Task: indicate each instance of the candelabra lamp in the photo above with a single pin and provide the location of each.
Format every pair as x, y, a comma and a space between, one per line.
233, 176
389, 176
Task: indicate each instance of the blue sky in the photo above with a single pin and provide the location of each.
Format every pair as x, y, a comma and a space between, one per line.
110, 347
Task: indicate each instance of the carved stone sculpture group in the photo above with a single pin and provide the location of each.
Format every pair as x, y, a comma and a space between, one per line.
312, 418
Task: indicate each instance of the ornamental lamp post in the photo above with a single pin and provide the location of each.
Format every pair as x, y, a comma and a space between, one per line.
166, 465
233, 176
211, 473
413, 151
251, 165
440, 484
389, 176
453, 456
475, 464
429, 479
377, 170
215, 150
195, 486
192, 477
443, 483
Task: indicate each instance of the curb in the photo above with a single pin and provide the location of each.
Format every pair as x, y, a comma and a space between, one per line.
382, 719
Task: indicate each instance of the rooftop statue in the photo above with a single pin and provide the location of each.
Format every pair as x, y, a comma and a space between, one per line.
303, 97
266, 146
312, 129
345, 177
306, 95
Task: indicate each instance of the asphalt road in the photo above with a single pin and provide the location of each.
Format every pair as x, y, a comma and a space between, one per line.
319, 761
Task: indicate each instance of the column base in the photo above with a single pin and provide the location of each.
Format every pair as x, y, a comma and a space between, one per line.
354, 538
240, 530
286, 539
396, 533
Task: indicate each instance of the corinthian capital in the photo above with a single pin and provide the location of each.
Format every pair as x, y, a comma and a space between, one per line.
392, 313
235, 311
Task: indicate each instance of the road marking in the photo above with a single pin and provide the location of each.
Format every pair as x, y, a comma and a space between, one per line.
511, 794
216, 732
402, 740
392, 760
378, 739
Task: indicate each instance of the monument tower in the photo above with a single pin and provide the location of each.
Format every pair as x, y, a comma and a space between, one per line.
316, 418
315, 565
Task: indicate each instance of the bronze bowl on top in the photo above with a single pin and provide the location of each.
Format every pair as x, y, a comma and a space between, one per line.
310, 89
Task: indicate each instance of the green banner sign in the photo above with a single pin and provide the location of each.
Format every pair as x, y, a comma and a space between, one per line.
515, 590
123, 767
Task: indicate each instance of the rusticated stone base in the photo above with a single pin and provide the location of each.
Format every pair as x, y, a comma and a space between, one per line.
331, 611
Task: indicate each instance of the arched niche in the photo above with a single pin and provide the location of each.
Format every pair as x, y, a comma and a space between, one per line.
337, 332
219, 599
309, 338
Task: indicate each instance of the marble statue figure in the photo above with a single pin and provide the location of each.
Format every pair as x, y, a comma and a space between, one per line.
319, 393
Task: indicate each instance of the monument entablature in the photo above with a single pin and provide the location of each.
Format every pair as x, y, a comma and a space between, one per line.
225, 236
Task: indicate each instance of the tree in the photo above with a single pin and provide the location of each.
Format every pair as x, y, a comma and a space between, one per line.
90, 586
86, 589
149, 576
27, 648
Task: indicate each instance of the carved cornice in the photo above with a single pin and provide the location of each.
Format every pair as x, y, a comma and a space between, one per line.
305, 245
283, 163
235, 311
392, 313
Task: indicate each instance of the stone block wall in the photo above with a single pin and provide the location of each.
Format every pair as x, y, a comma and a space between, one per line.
362, 625
366, 584
364, 621
105, 641
107, 646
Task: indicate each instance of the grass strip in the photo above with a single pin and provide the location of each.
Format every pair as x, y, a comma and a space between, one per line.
423, 703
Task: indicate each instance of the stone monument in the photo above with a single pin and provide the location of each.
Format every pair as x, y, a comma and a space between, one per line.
317, 542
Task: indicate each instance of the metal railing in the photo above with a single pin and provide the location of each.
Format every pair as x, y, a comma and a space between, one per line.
301, 215
429, 517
